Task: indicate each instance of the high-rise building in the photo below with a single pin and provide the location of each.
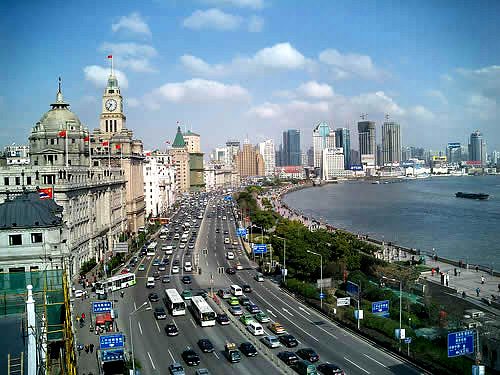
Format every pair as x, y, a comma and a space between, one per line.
303, 159
159, 182
249, 161
355, 159
378, 158
454, 152
417, 153
477, 148
367, 143
333, 164
323, 137
180, 158
233, 147
193, 146
291, 147
391, 143
268, 153
343, 139
405, 153
310, 156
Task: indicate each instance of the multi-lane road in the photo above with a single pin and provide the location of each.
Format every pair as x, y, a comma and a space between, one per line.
156, 351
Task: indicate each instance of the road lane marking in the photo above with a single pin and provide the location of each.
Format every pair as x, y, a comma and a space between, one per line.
151, 359
288, 312
135, 306
374, 360
157, 326
215, 353
140, 328
192, 322
304, 310
361, 368
270, 312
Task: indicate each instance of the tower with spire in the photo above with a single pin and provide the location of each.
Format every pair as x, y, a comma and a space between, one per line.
112, 119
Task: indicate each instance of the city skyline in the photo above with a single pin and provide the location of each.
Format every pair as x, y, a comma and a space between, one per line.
263, 78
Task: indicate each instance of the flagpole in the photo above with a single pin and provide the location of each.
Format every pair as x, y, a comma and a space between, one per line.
109, 155
66, 147
90, 155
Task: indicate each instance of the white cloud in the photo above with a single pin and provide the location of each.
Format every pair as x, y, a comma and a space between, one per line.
279, 56
198, 66
98, 75
255, 24
436, 94
484, 80
88, 99
350, 64
421, 113
266, 110
132, 23
133, 56
378, 103
483, 107
314, 89
133, 102
200, 90
252, 4
214, 19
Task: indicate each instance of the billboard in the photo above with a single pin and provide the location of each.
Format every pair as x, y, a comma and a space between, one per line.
101, 307
259, 248
356, 167
460, 343
454, 145
120, 247
381, 308
477, 163
112, 341
439, 158
352, 289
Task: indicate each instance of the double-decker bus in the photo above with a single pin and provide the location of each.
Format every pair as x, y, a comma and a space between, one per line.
202, 311
174, 302
115, 283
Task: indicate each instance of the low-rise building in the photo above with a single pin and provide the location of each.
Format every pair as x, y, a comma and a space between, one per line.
159, 182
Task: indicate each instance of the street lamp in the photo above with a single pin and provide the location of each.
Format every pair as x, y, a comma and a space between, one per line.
321, 277
131, 337
400, 303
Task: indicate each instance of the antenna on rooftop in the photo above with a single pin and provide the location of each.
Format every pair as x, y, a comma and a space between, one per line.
364, 116
386, 117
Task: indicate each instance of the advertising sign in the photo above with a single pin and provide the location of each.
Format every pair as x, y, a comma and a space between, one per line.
473, 162
460, 343
120, 247
381, 308
352, 289
259, 248
454, 145
346, 301
115, 340
356, 167
112, 355
228, 198
101, 307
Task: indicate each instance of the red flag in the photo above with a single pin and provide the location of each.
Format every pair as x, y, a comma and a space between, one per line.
62, 133
110, 56
148, 153
45, 193
86, 139
118, 146
105, 143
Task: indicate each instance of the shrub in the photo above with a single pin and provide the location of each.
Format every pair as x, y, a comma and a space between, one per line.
87, 266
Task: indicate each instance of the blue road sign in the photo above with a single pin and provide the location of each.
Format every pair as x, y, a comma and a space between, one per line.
259, 248
101, 307
228, 198
241, 232
408, 340
357, 167
112, 355
460, 343
321, 295
380, 308
112, 341
352, 289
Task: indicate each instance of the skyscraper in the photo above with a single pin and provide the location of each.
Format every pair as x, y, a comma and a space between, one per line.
249, 161
477, 148
367, 145
391, 143
343, 139
454, 152
233, 147
291, 147
310, 157
323, 137
268, 153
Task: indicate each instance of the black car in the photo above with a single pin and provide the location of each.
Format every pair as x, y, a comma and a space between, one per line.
245, 301
205, 345
217, 230
230, 271
171, 329
226, 232
222, 319
247, 288
308, 354
160, 313
153, 297
165, 279
289, 341
330, 369
176, 262
191, 357
248, 349
156, 275
186, 279
288, 357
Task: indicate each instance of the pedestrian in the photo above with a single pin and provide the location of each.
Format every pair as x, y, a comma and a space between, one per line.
463, 294
477, 268
482, 280
455, 272
477, 291
122, 293
83, 316
459, 272
79, 348
87, 349
432, 271
91, 348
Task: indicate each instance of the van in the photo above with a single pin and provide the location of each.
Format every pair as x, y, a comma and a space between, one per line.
150, 283
255, 329
304, 367
236, 290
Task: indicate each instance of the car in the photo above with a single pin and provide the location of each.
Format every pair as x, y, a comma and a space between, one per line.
165, 279
244, 301
191, 246
308, 354
276, 328
330, 369
80, 293
217, 230
246, 288
271, 341
230, 255
142, 267
248, 349
224, 293
153, 297
202, 371
289, 358
226, 232
246, 319
262, 317
176, 369
222, 319
206, 345
182, 245
162, 267
175, 269
188, 267
202, 292
230, 271
191, 357
186, 279
176, 262
304, 367
186, 294
289, 341
156, 262
156, 275
171, 329
259, 277
236, 310
253, 309
125, 270
159, 313
233, 301
239, 267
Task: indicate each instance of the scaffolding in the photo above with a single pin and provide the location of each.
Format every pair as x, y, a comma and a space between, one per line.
54, 334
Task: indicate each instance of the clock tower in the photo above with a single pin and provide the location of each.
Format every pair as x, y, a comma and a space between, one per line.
112, 119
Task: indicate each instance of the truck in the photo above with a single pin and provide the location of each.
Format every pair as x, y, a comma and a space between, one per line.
231, 352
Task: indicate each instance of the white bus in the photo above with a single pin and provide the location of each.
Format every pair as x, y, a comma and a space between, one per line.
151, 250
236, 290
174, 302
202, 311
115, 283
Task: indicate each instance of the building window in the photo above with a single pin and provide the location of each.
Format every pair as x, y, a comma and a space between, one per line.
36, 237
28, 180
18, 180
15, 240
6, 181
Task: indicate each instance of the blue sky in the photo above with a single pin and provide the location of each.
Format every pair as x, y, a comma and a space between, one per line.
253, 68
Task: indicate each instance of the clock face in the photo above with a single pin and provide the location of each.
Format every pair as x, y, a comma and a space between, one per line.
110, 105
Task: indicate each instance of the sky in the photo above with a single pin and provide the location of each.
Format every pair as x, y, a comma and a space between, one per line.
237, 69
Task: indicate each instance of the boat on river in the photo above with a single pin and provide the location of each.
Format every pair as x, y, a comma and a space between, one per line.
480, 196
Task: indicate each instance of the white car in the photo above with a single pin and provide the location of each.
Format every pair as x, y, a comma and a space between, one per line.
175, 269
188, 267
80, 293
239, 267
230, 255
182, 245
271, 341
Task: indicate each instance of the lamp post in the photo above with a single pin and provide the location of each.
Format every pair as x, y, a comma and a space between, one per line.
321, 277
131, 337
400, 303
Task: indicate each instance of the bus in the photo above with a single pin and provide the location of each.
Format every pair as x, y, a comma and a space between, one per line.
174, 302
236, 290
151, 250
115, 283
202, 311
